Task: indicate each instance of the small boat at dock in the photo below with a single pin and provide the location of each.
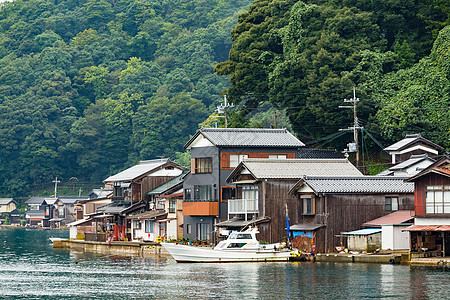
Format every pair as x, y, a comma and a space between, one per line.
238, 247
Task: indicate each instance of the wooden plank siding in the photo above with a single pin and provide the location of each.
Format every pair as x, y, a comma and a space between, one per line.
338, 212
420, 185
225, 157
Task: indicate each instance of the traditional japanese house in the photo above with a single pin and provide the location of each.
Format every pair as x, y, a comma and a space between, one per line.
7, 205
262, 193
430, 234
131, 185
215, 152
412, 144
409, 167
327, 206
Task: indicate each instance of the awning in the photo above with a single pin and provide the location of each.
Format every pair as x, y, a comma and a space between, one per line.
56, 220
79, 222
305, 227
244, 181
165, 220
148, 215
428, 228
366, 231
103, 216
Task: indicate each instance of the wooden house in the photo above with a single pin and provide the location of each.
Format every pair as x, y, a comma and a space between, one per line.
132, 184
327, 206
7, 205
409, 167
430, 234
262, 193
215, 152
168, 197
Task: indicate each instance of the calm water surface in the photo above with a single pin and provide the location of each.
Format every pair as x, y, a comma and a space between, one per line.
30, 268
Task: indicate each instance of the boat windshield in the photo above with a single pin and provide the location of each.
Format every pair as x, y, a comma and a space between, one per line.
240, 236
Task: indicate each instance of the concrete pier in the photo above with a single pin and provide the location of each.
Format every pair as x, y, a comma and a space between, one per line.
118, 248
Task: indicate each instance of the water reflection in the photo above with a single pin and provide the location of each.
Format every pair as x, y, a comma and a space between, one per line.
30, 268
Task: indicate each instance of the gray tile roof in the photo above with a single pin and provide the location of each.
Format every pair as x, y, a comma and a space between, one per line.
362, 184
248, 137
113, 208
318, 153
35, 200
137, 170
6, 201
71, 200
298, 168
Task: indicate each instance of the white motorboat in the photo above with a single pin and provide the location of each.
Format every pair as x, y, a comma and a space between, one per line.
238, 247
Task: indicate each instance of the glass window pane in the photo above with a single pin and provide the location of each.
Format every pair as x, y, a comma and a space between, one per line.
234, 161
394, 204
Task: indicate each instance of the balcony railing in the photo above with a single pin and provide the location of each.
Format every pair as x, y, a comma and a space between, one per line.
242, 206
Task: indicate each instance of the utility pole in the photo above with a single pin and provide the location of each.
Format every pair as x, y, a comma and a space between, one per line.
56, 181
222, 109
355, 126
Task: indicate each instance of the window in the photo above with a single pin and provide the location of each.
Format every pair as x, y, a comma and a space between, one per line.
228, 193
277, 156
148, 227
437, 199
308, 205
188, 194
202, 193
203, 165
203, 231
391, 203
61, 211
172, 205
235, 159
137, 225
250, 192
188, 229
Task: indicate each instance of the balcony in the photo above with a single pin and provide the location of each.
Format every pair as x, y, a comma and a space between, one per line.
242, 206
201, 208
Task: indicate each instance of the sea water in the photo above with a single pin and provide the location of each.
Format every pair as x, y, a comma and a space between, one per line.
31, 269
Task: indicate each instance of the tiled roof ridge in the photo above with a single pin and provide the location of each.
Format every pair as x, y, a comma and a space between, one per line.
277, 130
293, 160
150, 161
351, 177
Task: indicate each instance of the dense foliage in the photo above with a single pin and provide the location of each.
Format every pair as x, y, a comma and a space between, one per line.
89, 87
305, 57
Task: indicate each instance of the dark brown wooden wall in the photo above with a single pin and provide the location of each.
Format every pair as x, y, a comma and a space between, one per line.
419, 190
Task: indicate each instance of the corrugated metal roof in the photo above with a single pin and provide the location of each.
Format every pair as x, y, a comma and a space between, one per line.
428, 228
298, 168
137, 170
408, 140
398, 217
6, 201
367, 231
362, 184
248, 137
414, 159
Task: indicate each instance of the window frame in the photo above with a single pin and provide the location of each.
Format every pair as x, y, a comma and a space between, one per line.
208, 191
441, 207
389, 203
172, 205
203, 165
312, 205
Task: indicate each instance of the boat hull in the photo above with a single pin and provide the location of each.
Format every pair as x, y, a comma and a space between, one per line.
189, 254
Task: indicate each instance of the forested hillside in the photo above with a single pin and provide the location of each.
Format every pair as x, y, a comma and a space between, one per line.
89, 87
305, 57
